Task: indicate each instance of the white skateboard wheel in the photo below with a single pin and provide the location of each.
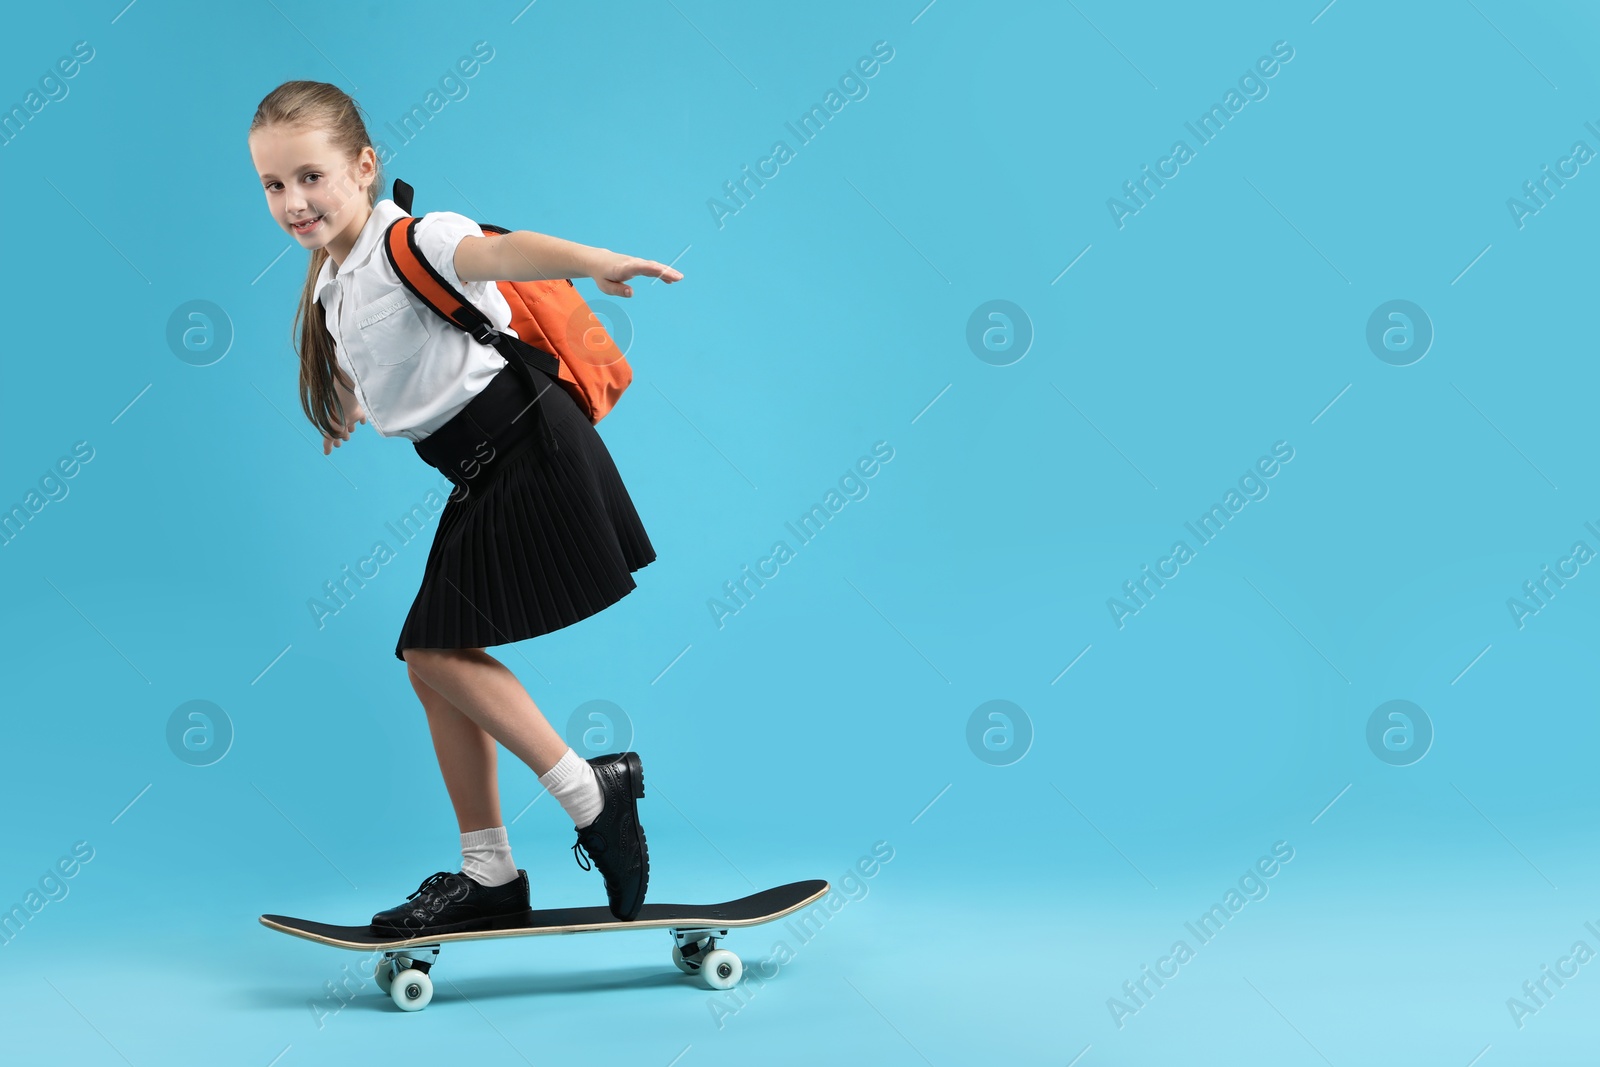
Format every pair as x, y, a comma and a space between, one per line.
682, 964
387, 968
721, 969
383, 973
411, 990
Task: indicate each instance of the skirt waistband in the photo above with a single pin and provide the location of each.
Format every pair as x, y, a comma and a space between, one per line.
504, 414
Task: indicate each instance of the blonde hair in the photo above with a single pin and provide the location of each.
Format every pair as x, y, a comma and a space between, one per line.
302, 105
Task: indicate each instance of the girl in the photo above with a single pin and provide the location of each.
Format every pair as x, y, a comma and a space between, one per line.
539, 531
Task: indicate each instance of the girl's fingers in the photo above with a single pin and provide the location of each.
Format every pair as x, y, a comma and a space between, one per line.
636, 267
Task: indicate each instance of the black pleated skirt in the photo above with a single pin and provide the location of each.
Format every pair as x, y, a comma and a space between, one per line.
531, 539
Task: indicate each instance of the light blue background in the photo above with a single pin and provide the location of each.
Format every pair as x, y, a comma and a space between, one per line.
831, 312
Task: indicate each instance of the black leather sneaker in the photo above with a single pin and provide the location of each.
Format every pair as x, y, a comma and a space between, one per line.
448, 903
615, 840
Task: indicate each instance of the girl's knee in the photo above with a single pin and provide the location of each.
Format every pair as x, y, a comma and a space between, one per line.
419, 663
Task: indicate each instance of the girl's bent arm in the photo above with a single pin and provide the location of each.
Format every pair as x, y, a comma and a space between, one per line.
345, 395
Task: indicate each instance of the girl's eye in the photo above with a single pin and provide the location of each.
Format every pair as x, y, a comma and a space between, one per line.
271, 185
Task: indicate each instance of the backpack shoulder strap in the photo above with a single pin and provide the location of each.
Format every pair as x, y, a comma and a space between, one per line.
402, 195
419, 276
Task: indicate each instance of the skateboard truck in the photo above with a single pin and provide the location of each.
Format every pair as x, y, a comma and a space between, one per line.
403, 974
695, 951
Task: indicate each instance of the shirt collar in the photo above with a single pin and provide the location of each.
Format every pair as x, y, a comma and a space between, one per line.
383, 213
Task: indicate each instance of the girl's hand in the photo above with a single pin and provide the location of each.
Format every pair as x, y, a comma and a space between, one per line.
613, 277
330, 443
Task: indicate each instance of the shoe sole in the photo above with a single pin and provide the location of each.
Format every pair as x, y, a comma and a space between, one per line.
509, 921
636, 772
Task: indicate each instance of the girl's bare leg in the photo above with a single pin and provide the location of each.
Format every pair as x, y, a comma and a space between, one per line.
481, 688
467, 759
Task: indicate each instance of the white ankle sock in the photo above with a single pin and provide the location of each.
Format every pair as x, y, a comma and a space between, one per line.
572, 781
486, 856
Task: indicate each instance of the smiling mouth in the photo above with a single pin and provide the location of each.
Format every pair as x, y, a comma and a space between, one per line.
307, 226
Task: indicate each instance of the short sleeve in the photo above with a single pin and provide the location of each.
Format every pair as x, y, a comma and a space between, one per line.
438, 234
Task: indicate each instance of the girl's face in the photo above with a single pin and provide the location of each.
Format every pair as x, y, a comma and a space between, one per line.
307, 181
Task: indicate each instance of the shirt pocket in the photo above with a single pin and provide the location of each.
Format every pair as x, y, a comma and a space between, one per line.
390, 330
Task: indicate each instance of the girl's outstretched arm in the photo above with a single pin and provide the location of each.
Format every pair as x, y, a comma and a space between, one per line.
526, 256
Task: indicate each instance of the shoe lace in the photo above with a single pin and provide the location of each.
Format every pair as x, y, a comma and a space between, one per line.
429, 883
580, 852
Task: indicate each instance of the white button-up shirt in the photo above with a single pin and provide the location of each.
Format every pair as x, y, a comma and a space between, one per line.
412, 369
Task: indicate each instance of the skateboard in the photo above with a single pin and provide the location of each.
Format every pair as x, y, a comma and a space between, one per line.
696, 929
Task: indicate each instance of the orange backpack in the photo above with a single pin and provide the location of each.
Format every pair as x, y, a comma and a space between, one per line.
556, 330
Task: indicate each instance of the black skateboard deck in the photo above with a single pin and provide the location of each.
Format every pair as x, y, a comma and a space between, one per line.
696, 929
